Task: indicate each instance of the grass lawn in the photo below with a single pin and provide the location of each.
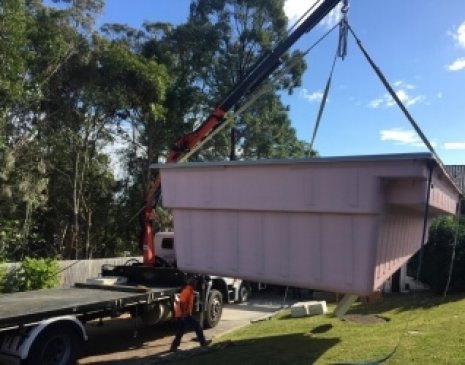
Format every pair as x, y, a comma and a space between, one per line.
417, 329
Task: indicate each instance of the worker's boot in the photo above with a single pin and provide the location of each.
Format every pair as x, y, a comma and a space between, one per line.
207, 342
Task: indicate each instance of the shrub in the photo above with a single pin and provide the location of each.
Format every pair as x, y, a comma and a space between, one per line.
11, 281
3, 272
39, 273
32, 274
438, 253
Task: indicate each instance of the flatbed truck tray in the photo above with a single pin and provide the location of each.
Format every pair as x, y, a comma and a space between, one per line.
17, 309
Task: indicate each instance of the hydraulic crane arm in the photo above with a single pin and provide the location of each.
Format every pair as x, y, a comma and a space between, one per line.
260, 71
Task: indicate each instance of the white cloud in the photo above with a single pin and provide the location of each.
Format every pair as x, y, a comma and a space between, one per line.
415, 100
294, 9
403, 137
311, 97
388, 101
400, 136
333, 17
457, 65
376, 103
454, 145
459, 35
403, 84
402, 93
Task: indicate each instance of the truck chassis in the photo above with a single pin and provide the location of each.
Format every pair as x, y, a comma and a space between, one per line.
47, 326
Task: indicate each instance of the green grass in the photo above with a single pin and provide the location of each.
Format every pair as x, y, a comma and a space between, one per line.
421, 328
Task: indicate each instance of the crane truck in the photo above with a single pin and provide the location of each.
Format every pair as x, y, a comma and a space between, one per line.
48, 326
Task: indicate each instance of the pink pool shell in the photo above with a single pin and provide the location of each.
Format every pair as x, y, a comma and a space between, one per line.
341, 224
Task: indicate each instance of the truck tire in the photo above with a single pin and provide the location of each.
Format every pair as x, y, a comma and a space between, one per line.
214, 309
244, 293
56, 345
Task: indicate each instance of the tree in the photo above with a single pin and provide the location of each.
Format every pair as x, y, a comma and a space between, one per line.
14, 21
244, 31
22, 176
70, 96
205, 57
267, 133
99, 93
64, 131
438, 254
142, 89
78, 91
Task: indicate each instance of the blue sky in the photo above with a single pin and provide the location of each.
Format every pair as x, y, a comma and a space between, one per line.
418, 44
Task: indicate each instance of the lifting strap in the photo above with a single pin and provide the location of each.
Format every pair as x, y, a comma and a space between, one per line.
430, 147
395, 97
417, 129
323, 103
341, 52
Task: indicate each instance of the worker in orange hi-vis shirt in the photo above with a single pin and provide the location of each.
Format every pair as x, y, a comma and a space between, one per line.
183, 312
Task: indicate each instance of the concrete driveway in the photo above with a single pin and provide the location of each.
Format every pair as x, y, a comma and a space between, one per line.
125, 341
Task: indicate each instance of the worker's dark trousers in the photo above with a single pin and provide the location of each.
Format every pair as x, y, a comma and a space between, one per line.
184, 324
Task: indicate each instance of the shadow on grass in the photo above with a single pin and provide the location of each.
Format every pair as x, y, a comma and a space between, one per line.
405, 302
322, 328
293, 349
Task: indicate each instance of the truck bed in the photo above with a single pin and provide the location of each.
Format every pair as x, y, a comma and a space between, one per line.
29, 307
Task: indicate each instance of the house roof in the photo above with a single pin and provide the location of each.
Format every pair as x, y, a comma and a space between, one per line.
457, 172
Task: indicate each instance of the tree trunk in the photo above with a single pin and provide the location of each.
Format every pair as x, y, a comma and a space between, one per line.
75, 230
88, 230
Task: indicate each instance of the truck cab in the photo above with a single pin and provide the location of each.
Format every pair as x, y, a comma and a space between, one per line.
233, 290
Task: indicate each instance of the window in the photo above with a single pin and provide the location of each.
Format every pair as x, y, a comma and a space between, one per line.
167, 243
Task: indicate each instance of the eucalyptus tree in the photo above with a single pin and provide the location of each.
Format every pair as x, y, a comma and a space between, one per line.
100, 91
67, 130
65, 93
143, 90
14, 21
22, 171
205, 57
241, 32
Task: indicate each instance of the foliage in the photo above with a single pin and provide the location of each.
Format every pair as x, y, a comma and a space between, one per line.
266, 132
31, 274
3, 272
83, 114
11, 281
39, 273
438, 254
13, 52
240, 32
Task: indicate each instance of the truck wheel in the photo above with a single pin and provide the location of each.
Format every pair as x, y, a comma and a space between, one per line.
214, 309
57, 345
244, 293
